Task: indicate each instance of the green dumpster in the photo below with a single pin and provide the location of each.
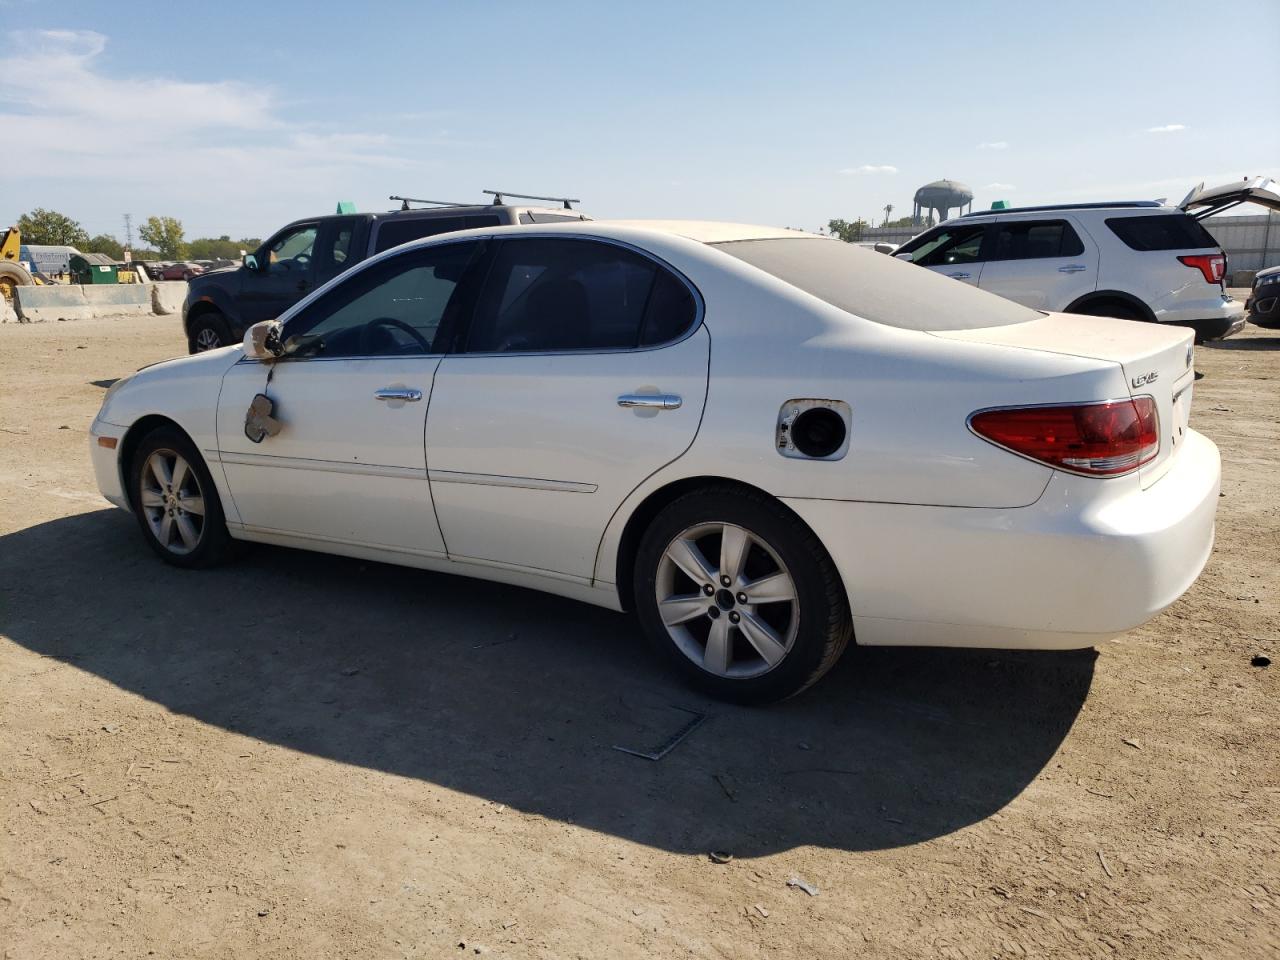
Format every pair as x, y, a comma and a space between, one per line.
94, 268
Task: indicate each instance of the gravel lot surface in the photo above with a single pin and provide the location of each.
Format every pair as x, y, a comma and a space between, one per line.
304, 756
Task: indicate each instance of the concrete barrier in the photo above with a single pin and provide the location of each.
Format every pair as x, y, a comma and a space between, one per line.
72, 302
167, 296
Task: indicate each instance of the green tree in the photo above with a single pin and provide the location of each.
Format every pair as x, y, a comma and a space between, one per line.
105, 243
42, 226
846, 231
166, 235
221, 248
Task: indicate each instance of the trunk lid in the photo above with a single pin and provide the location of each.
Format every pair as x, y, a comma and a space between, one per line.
1156, 360
1201, 203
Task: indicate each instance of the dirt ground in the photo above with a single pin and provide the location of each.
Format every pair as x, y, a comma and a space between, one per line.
304, 756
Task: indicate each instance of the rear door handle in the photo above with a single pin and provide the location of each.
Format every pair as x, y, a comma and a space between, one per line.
398, 393
656, 401
958, 276
1072, 268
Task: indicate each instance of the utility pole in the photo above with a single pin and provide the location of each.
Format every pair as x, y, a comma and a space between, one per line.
128, 238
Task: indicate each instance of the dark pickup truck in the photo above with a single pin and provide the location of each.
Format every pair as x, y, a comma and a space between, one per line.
306, 254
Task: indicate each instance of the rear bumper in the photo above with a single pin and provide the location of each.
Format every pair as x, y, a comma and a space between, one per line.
1211, 319
1088, 561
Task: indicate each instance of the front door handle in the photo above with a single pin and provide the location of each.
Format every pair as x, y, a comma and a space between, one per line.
402, 394
654, 401
1072, 268
958, 276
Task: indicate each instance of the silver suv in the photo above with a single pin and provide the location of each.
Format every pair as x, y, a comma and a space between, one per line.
1137, 260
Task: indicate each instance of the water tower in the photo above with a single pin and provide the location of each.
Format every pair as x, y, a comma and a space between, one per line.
941, 196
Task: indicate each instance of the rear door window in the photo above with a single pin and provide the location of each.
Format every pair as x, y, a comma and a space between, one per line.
392, 233
545, 294
1035, 239
1167, 231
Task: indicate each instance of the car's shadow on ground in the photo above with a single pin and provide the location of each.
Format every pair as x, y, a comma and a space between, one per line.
1245, 343
518, 697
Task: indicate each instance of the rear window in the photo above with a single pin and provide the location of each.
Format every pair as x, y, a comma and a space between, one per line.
879, 288
1169, 231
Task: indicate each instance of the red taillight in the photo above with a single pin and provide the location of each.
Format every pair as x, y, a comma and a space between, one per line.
1212, 265
1096, 439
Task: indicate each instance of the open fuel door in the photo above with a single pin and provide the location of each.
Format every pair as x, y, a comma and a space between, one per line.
1201, 203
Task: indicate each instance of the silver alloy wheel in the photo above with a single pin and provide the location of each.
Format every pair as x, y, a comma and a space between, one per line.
207, 339
172, 502
736, 617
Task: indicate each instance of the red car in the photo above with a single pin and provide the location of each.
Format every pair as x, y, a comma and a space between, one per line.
180, 271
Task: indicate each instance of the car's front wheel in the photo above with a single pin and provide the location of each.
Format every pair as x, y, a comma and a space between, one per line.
740, 595
175, 501
209, 331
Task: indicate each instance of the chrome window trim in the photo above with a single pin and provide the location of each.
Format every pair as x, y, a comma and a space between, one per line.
699, 302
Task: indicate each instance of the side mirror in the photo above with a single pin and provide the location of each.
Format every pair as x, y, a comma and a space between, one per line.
250, 262
262, 341
883, 247
903, 256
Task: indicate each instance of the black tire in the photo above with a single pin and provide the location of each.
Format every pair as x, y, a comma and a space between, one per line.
821, 608
213, 544
1109, 308
209, 331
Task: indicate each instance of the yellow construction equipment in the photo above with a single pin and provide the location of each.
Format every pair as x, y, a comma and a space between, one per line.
12, 272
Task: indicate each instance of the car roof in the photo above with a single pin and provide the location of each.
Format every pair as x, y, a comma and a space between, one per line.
1146, 206
702, 231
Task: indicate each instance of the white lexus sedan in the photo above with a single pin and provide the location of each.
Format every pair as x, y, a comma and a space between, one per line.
766, 443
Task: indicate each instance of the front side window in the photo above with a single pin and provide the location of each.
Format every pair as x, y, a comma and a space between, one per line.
394, 308
1035, 239
546, 294
291, 253
961, 244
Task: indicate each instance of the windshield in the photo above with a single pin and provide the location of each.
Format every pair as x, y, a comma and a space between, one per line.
877, 287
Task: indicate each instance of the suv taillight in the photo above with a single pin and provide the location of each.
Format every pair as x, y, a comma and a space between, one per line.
1212, 265
1095, 439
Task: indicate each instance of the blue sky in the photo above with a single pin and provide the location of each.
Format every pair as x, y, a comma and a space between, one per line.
238, 117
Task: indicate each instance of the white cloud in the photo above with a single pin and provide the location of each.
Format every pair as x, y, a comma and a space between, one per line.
994, 145
999, 186
1168, 128
870, 168
157, 136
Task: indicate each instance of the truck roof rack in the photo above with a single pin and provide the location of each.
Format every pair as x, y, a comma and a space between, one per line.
405, 201
499, 194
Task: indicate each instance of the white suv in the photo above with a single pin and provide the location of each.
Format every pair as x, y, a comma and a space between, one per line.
1138, 260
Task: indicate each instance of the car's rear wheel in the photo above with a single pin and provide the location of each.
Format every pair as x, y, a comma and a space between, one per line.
175, 501
209, 331
740, 596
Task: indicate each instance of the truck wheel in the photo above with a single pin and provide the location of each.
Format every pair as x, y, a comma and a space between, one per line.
209, 331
